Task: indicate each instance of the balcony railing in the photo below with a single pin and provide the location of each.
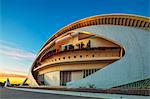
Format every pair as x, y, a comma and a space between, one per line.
99, 53
55, 52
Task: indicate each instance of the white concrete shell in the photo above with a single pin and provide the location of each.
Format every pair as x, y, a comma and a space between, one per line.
129, 31
134, 66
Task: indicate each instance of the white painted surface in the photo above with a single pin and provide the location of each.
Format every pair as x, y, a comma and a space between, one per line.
76, 75
52, 78
134, 66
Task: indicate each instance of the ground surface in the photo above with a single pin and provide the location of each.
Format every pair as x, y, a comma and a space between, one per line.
17, 94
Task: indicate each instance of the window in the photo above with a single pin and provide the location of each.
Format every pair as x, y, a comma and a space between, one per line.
80, 55
86, 73
59, 58
92, 55
71, 47
141, 23
119, 21
69, 57
133, 21
112, 20
123, 21
63, 57
79, 25
105, 20
129, 22
74, 56
65, 48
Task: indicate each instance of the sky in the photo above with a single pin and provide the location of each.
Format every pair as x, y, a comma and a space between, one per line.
25, 25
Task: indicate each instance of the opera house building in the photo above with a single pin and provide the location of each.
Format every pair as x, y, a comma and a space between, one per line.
103, 51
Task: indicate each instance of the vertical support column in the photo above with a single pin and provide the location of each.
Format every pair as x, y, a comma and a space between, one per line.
128, 22
117, 21
121, 51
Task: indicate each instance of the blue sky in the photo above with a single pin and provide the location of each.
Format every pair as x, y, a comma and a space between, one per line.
27, 24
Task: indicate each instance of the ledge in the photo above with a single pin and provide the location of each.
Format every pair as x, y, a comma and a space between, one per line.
95, 60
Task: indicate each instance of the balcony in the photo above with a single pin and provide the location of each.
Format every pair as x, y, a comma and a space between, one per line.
80, 56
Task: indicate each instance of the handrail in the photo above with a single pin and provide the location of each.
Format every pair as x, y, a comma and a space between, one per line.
49, 54
77, 61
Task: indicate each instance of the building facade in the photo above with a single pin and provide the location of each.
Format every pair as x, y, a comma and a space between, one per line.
103, 51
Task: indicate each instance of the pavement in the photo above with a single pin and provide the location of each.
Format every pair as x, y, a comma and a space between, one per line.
27, 93
20, 94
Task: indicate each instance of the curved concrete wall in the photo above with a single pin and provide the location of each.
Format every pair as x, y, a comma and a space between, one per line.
32, 80
132, 67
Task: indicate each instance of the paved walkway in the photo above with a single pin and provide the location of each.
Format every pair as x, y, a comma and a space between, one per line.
17, 94
25, 93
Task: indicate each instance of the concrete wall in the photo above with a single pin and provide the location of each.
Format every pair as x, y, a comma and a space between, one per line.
71, 67
32, 80
132, 67
52, 78
76, 75
41, 78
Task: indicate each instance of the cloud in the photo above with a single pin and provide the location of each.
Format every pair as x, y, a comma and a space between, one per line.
12, 75
15, 53
13, 71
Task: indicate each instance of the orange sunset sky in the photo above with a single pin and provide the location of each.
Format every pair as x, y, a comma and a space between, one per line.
15, 78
